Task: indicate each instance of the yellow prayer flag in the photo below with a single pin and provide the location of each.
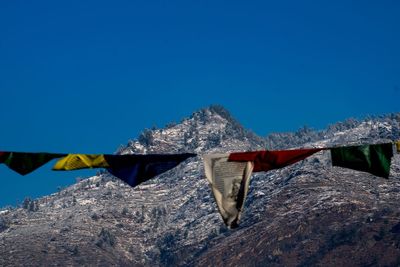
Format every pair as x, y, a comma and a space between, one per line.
81, 161
398, 146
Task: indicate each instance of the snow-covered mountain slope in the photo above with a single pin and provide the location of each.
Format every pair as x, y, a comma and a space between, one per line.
299, 215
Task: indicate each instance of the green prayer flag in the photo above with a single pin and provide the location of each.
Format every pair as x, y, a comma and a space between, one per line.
24, 163
4, 156
374, 159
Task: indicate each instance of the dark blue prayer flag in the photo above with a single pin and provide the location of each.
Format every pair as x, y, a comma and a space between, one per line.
135, 169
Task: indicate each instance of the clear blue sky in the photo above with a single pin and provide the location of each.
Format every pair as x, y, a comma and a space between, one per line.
86, 76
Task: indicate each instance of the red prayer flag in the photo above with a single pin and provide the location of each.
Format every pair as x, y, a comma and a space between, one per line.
268, 160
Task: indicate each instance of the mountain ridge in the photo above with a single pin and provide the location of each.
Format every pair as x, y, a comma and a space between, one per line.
173, 220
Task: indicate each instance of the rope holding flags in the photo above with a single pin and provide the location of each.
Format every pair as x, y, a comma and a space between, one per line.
374, 159
228, 174
132, 169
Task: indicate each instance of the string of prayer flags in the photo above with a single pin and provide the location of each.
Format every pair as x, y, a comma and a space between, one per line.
374, 159
81, 161
230, 183
135, 169
228, 174
268, 160
24, 163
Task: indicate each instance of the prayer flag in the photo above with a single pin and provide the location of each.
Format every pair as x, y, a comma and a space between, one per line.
135, 169
24, 163
374, 159
268, 160
398, 146
4, 156
81, 161
229, 183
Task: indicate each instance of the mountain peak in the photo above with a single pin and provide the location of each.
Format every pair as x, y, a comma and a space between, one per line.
209, 113
204, 130
221, 111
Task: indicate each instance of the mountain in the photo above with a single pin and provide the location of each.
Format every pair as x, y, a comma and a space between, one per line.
305, 214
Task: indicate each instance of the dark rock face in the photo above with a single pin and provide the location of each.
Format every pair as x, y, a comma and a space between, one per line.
307, 214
